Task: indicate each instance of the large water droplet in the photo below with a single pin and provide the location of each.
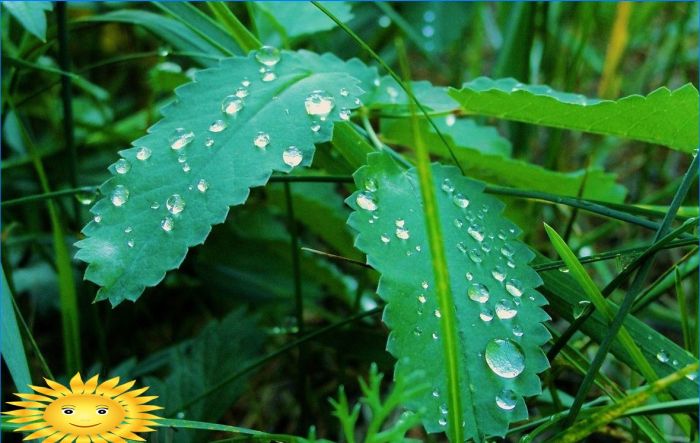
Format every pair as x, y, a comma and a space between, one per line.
319, 103
292, 156
505, 358
506, 400
217, 126
143, 153
119, 196
167, 224
505, 309
460, 200
476, 231
202, 185
268, 55
179, 138
261, 140
478, 293
662, 356
231, 105
175, 204
366, 201
514, 287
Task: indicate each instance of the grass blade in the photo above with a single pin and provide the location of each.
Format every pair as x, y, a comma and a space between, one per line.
12, 347
223, 14
685, 315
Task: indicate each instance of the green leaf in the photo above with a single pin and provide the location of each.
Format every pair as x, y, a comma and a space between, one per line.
663, 117
31, 15
296, 19
12, 348
481, 250
390, 98
499, 169
207, 179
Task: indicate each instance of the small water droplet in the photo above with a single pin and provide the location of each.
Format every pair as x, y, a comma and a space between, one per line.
692, 376
662, 356
261, 140
458, 223
217, 126
344, 92
442, 421
315, 127
486, 315
429, 16
175, 204
502, 234
478, 292
505, 358
514, 287
469, 276
580, 308
268, 55
506, 400
119, 196
97, 218
462, 247
245, 83
344, 114
370, 185
366, 201
417, 331
460, 200
268, 75
130, 243
450, 120
167, 224
443, 409
475, 256
447, 185
510, 264
499, 273
402, 233
507, 250
424, 284
385, 239
208, 142
292, 156
128, 229
319, 103
122, 166
179, 138
384, 22
422, 299
518, 331
428, 31
231, 105
202, 185
155, 205
476, 231
241, 92
143, 153
437, 313
564, 270
186, 167
435, 336
435, 393
505, 309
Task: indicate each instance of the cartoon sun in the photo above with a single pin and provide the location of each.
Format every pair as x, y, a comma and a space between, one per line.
87, 412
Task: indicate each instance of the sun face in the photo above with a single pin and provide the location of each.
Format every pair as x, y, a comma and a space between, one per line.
85, 413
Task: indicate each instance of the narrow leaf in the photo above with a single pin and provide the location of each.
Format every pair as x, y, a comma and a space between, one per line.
12, 348
31, 15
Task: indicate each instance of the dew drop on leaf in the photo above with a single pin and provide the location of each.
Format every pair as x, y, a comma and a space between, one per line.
422, 299
261, 140
202, 186
475, 256
507, 250
319, 103
130, 243
268, 56
402, 233
97, 218
143, 153
292, 156
518, 331
119, 196
344, 114
514, 287
437, 313
385, 239
460, 200
506, 400
450, 120
499, 273
241, 92
476, 231
486, 315
366, 201
175, 204
231, 105
179, 138
447, 185
217, 126
370, 185
268, 75
122, 166
442, 421
167, 224
505, 358
478, 292
505, 309
208, 142
424, 284
662, 356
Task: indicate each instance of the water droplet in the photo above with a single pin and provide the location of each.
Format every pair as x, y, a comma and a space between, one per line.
580, 308
514, 287
208, 142
501, 234
476, 231
217, 126
167, 224
422, 299
505, 358
180, 138
478, 292
458, 223
443, 409
202, 185
424, 284
385, 238
292, 156
384, 22
365, 200
344, 92
437, 313
505, 309
564, 270
402, 233
447, 185
315, 127
435, 336
506, 400
344, 114
460, 200
442, 421
186, 167
662, 356
393, 93
692, 376
486, 315
143, 153
499, 273
429, 16
370, 185
418, 248
122, 166
268, 55
119, 196
268, 75
469, 276
436, 394
507, 250
462, 247
450, 120
261, 140
241, 92
175, 204
475, 256
510, 264
319, 103
155, 205
245, 82
97, 218
417, 331
518, 331
86, 198
231, 105
130, 243
128, 229
428, 31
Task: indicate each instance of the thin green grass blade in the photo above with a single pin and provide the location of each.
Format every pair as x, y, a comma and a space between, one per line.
223, 14
683, 308
12, 347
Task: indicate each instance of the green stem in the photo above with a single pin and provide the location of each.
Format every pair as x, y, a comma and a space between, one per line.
245, 39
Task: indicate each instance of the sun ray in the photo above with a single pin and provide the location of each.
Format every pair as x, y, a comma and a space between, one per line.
87, 412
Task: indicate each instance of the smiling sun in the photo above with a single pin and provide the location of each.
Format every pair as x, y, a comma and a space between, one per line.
87, 412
